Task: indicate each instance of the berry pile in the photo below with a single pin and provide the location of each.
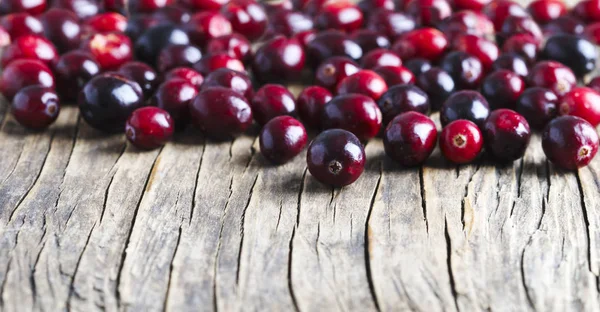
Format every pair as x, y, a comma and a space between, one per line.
493, 69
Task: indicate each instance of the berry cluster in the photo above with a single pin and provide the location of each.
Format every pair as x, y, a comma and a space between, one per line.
493, 69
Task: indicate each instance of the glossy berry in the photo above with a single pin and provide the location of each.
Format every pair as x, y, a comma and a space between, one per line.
514, 25
336, 157
305, 37
465, 69
186, 74
469, 105
279, 59
143, 74
594, 84
62, 28
333, 70
173, 13
502, 89
538, 105
380, 57
340, 15
332, 43
564, 25
410, 138
365, 82
23, 73
467, 22
272, 100
210, 63
175, 96
523, 45
110, 50
107, 100
205, 5
205, 26
35, 107
30, 6
395, 75
368, 6
581, 102
231, 79
106, 22
587, 10
221, 113
570, 142
178, 56
427, 43
401, 99
30, 47
356, 113
573, 51
428, 12
84, 9
552, 75
149, 45
149, 128
475, 5
138, 23
418, 66
19, 24
289, 23
72, 71
247, 17
310, 105
235, 45
486, 51
147, 5
370, 40
391, 24
506, 135
438, 85
544, 11
512, 62
461, 141
4, 37
592, 32
282, 139
499, 11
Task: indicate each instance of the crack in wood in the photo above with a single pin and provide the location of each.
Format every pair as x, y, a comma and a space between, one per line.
449, 263
171, 269
528, 295
586, 221
72, 291
367, 253
106, 194
289, 271
239, 263
423, 202
194, 192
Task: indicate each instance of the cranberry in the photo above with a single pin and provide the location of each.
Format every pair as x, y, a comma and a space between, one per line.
594, 84
281, 139
365, 82
340, 15
506, 135
110, 50
4, 37
62, 28
186, 74
475, 5
143, 74
391, 24
587, 10
107, 100
465, 69
73, 70
35, 107
523, 45
23, 73
147, 6
370, 40
311, 7
289, 23
29, 6
428, 43
438, 85
205, 5
212, 62
82, 8
247, 17
461, 141
410, 138
502, 89
310, 104
30, 47
137, 25
173, 13
178, 55
333, 70
592, 32
486, 51
149, 128
401, 99
332, 43
336, 157
467, 104
235, 45
272, 100
570, 142
552, 75
514, 25
428, 12
20, 24
573, 51
564, 25
418, 66
499, 11
175, 96
231, 79
276, 6
538, 105
221, 113
394, 75
114, 6
305, 37
582, 102
467, 22
512, 62
356, 113
380, 57
107, 22
544, 11
149, 45
279, 59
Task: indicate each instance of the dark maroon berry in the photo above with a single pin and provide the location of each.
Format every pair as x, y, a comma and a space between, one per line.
231, 79
356, 113
247, 17
502, 89
173, 13
333, 70
465, 69
469, 105
289, 23
581, 102
336, 157
62, 28
73, 70
149, 128
341, 15
467, 22
204, 5
272, 100
506, 135
20, 24
486, 51
380, 57
544, 11
221, 113
186, 74
401, 99
395, 75
370, 40
147, 6
143, 74
177, 56
175, 96
84, 9
514, 25
206, 25
438, 85
514, 63
523, 45
23, 73
461, 141
538, 105
410, 138
428, 43
138, 23
552, 75
33, 7
418, 66
210, 63
570, 142
149, 45
332, 43
428, 12
310, 105
587, 10
235, 45
573, 51
389, 23
564, 25
594, 83
365, 82
279, 59
281, 139
368, 6
35, 107
499, 11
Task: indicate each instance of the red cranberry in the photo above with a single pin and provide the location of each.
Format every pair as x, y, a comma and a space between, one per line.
538, 105
514, 25
272, 100
438, 85
312, 7
467, 22
113, 6
62, 28
506, 135
592, 32
178, 55
289, 23
461, 141
502, 89
587, 10
310, 105
594, 84
512, 62
149, 45
82, 8
247, 17
110, 50
418, 66
465, 69
277, 6
333, 70
107, 22
137, 25
523, 45
368, 6
370, 40
401, 99
20, 24
305, 37
23, 73
332, 43
147, 6
235, 45
35, 107
175, 96
149, 128
410, 138
4, 37
279, 59
428, 43
391, 24
573, 51
186, 74
552, 75
544, 11
394, 75
205, 5
30, 47
205, 26
340, 15
356, 113
365, 82
33, 7
221, 113
570, 142
73, 70
475, 5
281, 139
499, 11
380, 57
467, 104
212, 62
428, 12
231, 79
582, 102
564, 25
486, 51
143, 74
173, 13
336, 157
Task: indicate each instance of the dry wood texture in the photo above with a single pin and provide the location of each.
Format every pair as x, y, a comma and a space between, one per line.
89, 223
